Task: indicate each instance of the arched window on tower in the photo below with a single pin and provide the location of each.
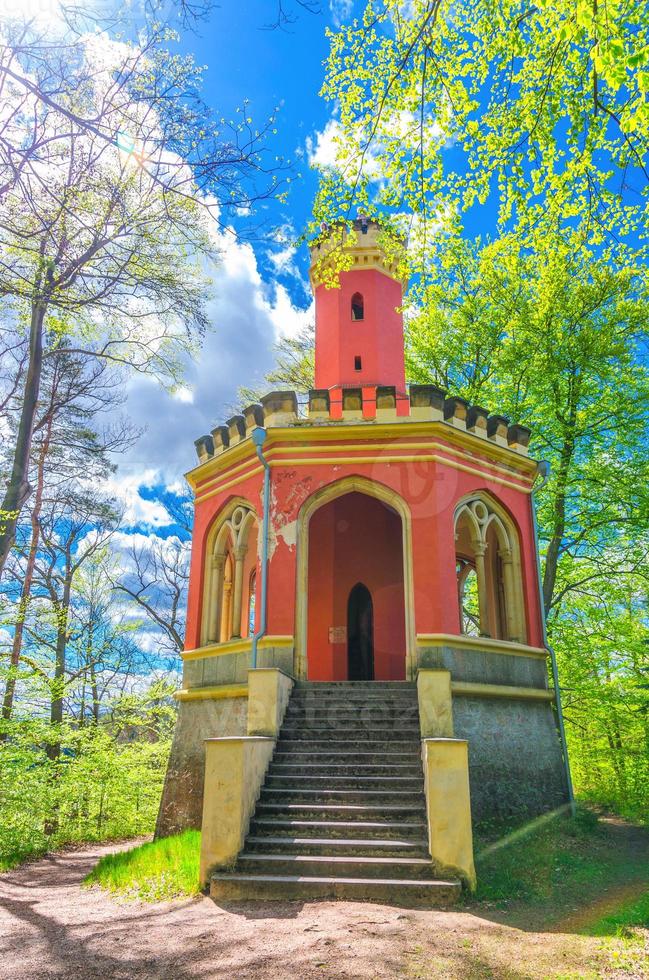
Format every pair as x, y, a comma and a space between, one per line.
490, 591
467, 584
358, 307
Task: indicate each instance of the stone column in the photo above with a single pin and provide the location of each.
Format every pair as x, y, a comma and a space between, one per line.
479, 552
269, 690
435, 703
225, 632
237, 590
234, 772
511, 611
215, 601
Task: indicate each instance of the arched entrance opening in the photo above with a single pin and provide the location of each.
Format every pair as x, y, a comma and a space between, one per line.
360, 634
355, 609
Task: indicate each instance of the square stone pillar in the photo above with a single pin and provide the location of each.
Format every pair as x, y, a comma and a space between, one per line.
234, 772
268, 692
435, 703
448, 805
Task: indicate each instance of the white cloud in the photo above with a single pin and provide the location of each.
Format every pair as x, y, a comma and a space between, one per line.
287, 319
340, 10
183, 394
124, 488
284, 260
248, 316
334, 148
322, 148
330, 148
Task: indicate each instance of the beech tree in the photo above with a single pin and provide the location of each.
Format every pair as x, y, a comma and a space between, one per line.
74, 392
538, 109
155, 578
113, 177
556, 337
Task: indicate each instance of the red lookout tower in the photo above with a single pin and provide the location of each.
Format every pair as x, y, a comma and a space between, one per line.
363, 608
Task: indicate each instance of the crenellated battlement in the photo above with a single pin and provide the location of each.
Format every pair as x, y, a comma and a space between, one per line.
369, 404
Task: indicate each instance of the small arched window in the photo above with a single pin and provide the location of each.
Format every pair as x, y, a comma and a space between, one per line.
358, 307
225, 613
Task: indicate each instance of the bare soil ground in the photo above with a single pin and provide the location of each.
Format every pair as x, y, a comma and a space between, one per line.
50, 927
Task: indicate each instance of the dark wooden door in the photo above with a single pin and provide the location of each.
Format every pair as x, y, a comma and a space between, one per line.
360, 634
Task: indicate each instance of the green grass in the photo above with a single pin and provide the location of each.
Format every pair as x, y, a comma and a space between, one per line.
159, 870
532, 862
622, 922
11, 859
583, 875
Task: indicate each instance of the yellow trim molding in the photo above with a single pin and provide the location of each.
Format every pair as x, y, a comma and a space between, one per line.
480, 644
362, 431
236, 646
500, 691
212, 693
401, 444
360, 460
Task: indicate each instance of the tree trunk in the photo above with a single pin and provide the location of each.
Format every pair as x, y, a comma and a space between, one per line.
18, 488
16, 649
58, 683
559, 514
95, 693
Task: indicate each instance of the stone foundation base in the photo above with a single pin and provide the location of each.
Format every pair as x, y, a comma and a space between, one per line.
181, 807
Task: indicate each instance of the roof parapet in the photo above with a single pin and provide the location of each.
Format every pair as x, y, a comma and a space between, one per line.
370, 405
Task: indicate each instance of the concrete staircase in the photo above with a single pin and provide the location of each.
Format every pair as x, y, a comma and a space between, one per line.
342, 811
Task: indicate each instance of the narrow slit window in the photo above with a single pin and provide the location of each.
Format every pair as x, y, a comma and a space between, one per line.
358, 364
358, 307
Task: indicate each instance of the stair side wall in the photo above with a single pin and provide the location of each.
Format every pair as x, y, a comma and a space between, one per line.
515, 759
181, 807
515, 762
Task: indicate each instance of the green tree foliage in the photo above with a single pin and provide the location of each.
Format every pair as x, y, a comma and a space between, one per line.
105, 784
555, 337
540, 109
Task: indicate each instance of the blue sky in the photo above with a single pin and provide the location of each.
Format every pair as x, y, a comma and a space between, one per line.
261, 289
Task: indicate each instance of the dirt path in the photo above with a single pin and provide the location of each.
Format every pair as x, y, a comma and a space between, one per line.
50, 927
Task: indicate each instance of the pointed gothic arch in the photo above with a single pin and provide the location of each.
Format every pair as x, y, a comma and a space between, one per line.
488, 568
326, 494
230, 554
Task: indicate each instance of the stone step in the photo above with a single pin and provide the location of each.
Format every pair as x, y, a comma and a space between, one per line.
350, 846
356, 702
354, 781
366, 829
346, 866
295, 751
351, 797
365, 733
234, 886
349, 812
346, 717
336, 769
353, 697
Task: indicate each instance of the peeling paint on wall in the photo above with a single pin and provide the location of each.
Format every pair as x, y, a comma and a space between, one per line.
289, 533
